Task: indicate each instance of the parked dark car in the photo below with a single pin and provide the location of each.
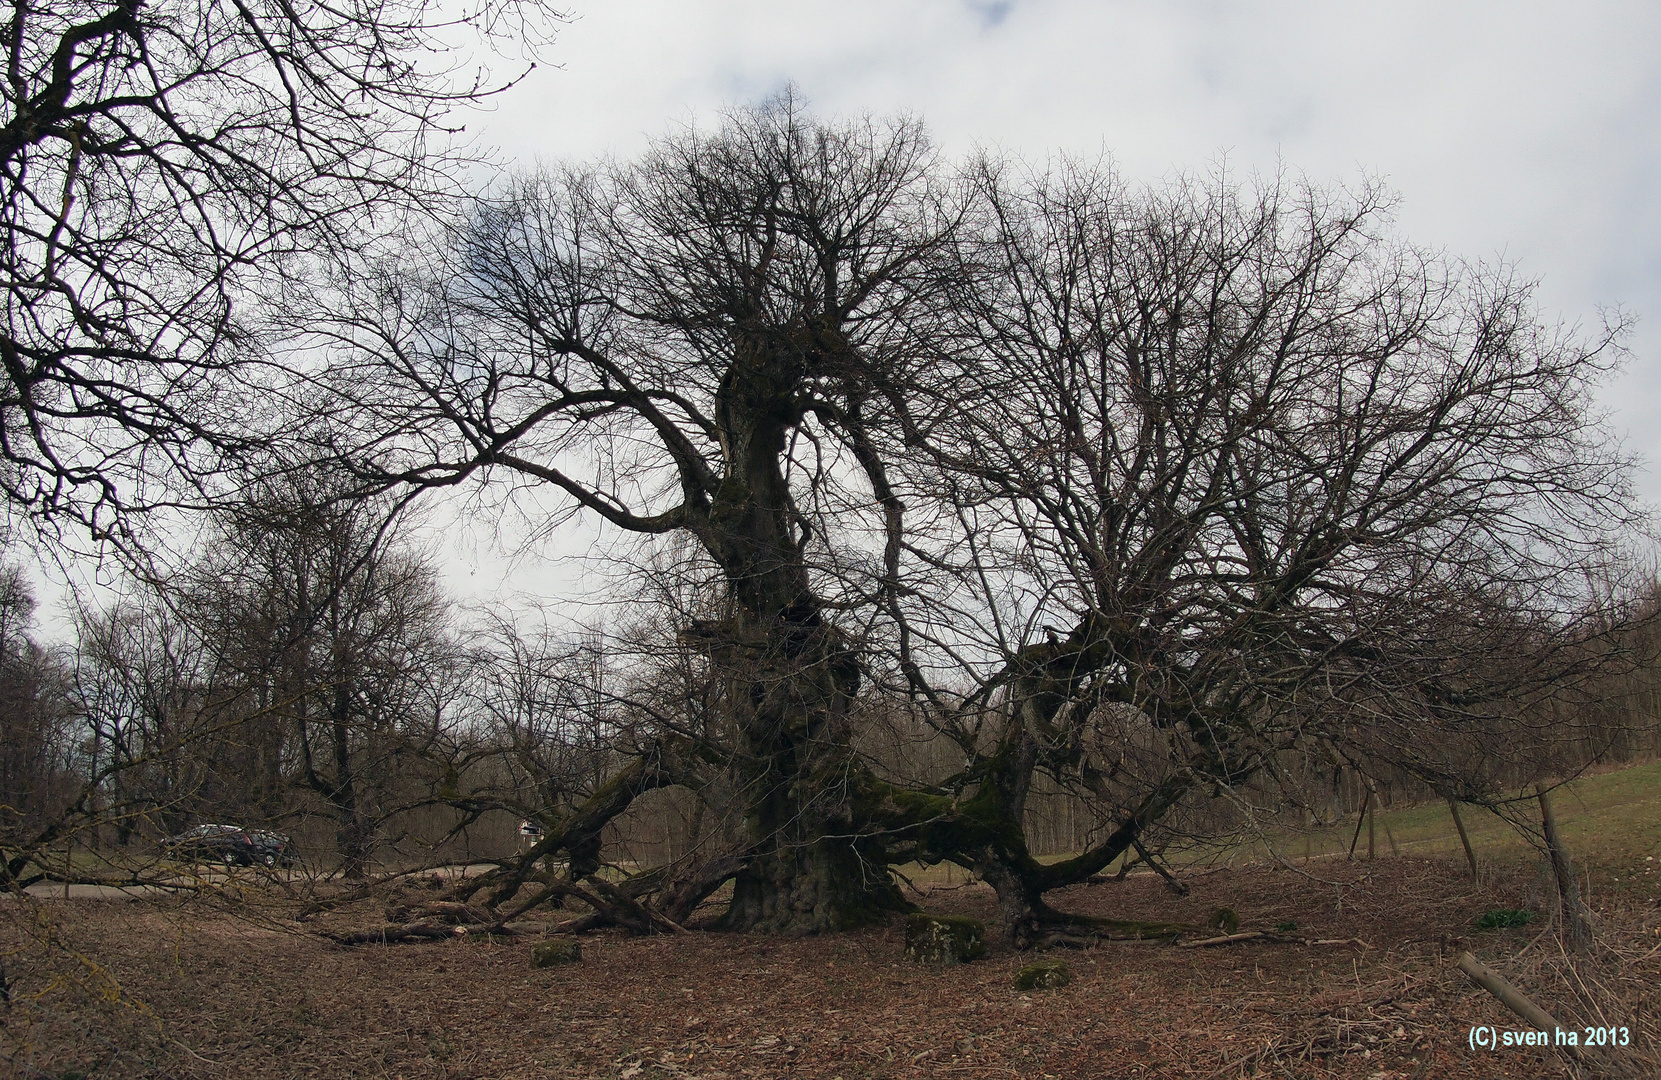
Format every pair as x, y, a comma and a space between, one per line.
228, 844
272, 848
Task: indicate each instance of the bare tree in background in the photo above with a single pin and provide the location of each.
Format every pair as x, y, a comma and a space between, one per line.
331, 637
302, 668
147, 701
538, 712
37, 737
172, 175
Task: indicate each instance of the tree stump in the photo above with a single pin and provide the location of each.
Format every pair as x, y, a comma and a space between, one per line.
1044, 975
1224, 919
557, 951
944, 939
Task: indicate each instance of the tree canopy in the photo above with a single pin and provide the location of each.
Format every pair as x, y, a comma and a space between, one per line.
1148, 494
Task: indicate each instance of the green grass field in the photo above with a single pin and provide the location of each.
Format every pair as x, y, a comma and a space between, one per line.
1613, 817
1610, 822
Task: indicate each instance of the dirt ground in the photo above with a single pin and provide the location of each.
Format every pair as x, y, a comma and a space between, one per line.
177, 989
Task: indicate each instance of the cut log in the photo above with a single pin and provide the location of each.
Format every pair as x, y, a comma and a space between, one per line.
395, 933
555, 952
944, 939
1509, 996
1044, 975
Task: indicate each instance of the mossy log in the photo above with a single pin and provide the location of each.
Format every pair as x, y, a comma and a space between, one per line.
1086, 930
556, 951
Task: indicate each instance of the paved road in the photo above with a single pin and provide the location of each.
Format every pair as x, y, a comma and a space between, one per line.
54, 890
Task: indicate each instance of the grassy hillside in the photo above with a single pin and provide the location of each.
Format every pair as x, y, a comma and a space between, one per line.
1614, 816
1611, 823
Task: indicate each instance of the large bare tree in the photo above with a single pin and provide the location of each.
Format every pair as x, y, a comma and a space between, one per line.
1242, 478
1058, 466
688, 344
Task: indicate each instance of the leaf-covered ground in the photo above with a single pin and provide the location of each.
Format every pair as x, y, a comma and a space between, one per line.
184, 990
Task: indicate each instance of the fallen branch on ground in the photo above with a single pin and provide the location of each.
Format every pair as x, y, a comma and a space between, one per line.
1273, 938
424, 930
1509, 996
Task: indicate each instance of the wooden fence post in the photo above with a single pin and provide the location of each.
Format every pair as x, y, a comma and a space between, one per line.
1464, 837
1575, 927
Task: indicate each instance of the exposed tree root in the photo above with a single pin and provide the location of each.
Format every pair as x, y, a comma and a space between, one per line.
444, 911
1083, 932
612, 904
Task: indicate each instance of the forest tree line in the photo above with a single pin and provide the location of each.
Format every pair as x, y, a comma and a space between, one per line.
307, 674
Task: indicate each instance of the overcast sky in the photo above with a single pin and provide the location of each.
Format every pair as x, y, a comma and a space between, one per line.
1526, 131
1523, 131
